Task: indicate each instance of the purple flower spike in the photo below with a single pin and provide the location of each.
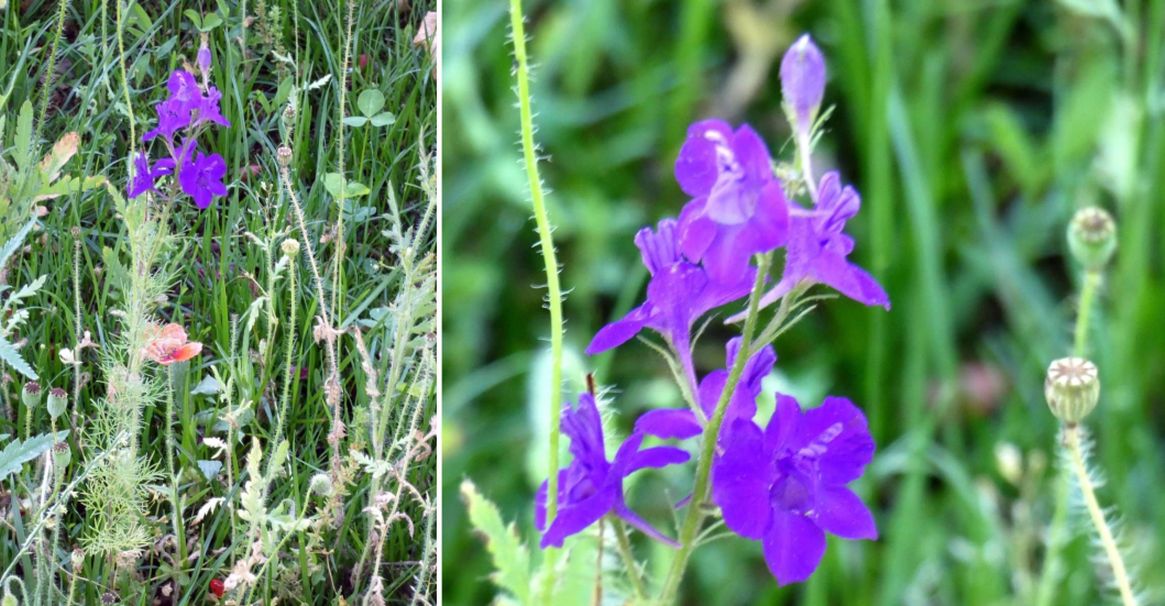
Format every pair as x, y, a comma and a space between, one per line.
679, 292
739, 207
145, 176
591, 487
803, 81
682, 423
201, 177
786, 487
186, 107
817, 248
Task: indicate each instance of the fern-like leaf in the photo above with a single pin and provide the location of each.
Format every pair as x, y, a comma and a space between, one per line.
11, 357
511, 559
17, 453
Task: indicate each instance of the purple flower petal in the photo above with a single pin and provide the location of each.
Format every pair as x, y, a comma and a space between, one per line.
740, 479
640, 524
697, 166
793, 546
656, 457
669, 423
842, 513
619, 331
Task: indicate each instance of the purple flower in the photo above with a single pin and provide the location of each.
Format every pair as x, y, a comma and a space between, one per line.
678, 293
786, 487
817, 248
682, 423
186, 107
803, 81
201, 175
145, 176
591, 487
203, 58
739, 207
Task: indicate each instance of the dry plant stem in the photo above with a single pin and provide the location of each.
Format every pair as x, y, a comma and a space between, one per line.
695, 516
329, 339
553, 292
1120, 574
340, 242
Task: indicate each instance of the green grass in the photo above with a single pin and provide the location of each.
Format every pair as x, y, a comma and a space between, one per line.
973, 130
220, 270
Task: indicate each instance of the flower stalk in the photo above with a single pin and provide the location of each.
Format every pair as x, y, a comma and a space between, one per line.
695, 515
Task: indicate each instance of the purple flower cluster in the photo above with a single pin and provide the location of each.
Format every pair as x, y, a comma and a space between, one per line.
785, 484
191, 107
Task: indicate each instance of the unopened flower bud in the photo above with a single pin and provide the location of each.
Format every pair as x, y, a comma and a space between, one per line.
1072, 389
204, 56
58, 401
1009, 461
321, 484
290, 248
9, 600
283, 154
803, 82
1092, 237
31, 395
78, 558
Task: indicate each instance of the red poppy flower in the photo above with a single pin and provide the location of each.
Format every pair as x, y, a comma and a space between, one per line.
168, 344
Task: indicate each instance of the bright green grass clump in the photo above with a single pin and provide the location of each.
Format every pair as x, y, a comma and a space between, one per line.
292, 458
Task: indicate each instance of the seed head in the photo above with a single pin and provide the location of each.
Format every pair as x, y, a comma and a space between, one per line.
31, 395
1072, 389
1092, 237
321, 484
290, 248
58, 401
283, 154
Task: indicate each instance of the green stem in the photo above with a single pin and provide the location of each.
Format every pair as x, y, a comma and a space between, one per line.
175, 506
1087, 297
624, 544
694, 516
1120, 575
554, 294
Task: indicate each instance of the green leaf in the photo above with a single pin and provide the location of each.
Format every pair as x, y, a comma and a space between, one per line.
11, 357
22, 154
510, 557
355, 121
334, 183
17, 453
210, 22
383, 119
194, 17
370, 102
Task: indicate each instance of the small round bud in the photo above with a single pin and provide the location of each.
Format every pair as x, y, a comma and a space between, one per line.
1009, 461
1072, 389
321, 484
283, 154
75, 231
1092, 237
78, 558
9, 600
31, 395
58, 401
290, 248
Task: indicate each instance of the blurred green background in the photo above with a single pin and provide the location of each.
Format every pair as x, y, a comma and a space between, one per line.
973, 130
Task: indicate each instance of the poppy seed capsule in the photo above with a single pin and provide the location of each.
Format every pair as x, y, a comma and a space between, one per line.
290, 248
30, 395
1072, 388
1092, 237
58, 401
283, 154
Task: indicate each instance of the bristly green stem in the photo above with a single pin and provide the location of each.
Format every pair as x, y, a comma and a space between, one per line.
1120, 575
624, 544
1057, 533
553, 292
694, 516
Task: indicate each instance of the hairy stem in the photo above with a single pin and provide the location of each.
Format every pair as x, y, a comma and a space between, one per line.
695, 516
1087, 297
1120, 575
553, 291
624, 544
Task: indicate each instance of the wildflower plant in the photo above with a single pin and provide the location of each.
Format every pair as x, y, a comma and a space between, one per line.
784, 481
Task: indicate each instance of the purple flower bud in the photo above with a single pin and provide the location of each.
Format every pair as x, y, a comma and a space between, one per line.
803, 81
204, 59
